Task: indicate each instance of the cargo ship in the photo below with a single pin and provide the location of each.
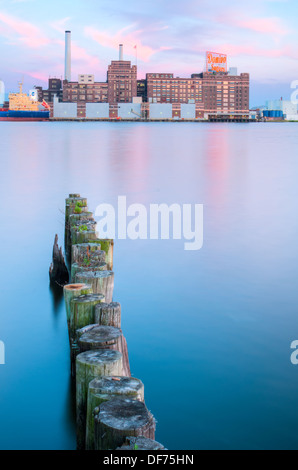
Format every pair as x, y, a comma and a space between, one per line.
22, 107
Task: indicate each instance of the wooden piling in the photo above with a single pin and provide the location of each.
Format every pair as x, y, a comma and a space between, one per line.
140, 443
91, 365
104, 337
80, 251
104, 389
87, 265
71, 291
108, 314
102, 282
119, 418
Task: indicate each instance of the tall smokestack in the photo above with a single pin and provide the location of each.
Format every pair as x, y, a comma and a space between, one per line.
120, 51
67, 74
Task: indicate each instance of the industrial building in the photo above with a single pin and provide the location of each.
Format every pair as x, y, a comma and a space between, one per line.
215, 94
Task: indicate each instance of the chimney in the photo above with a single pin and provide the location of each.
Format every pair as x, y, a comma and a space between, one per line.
120, 51
67, 75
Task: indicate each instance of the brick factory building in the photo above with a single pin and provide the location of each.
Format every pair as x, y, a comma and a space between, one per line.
214, 94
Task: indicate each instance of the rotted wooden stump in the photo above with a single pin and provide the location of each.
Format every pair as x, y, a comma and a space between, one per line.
108, 314
91, 365
102, 282
104, 337
58, 271
104, 389
71, 291
81, 251
91, 265
140, 443
119, 418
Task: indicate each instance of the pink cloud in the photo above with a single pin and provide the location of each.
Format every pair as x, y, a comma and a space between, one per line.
28, 34
264, 25
129, 39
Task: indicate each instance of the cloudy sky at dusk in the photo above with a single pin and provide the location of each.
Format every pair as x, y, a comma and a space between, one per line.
259, 36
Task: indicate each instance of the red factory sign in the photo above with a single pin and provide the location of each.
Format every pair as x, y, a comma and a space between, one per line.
216, 62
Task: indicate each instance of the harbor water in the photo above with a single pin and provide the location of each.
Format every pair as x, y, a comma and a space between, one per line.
209, 332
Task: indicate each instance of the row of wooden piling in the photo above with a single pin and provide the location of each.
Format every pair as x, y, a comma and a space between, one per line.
111, 412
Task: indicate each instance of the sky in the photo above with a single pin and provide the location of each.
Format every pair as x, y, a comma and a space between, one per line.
259, 36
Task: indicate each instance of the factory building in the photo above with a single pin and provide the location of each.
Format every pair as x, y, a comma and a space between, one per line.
122, 80
215, 94
219, 93
54, 89
85, 90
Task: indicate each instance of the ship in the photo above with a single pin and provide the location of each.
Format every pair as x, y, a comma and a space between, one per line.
22, 107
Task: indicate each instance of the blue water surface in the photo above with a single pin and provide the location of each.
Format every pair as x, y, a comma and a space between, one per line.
208, 331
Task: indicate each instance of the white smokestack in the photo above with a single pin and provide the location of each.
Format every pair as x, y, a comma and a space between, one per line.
120, 51
67, 74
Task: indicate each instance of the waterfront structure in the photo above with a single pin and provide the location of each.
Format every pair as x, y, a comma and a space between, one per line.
85, 90
54, 89
122, 80
216, 94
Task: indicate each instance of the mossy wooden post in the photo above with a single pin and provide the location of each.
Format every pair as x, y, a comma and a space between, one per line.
91, 365
71, 291
82, 311
79, 252
108, 314
104, 389
107, 245
83, 236
140, 443
119, 418
94, 265
104, 337
102, 282
70, 208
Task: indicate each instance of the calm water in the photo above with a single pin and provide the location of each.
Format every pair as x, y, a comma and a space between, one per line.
208, 332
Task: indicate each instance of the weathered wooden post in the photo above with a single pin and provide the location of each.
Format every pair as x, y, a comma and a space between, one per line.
58, 271
81, 314
107, 245
71, 291
87, 265
104, 337
140, 443
81, 251
91, 365
108, 314
119, 418
102, 282
82, 236
104, 389
73, 205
